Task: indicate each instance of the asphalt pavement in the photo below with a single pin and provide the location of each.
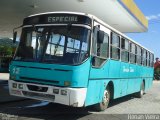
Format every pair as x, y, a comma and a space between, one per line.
4, 92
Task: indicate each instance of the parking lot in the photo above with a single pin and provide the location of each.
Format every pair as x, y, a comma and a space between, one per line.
118, 109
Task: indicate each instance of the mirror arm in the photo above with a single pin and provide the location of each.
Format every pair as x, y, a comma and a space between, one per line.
15, 33
17, 28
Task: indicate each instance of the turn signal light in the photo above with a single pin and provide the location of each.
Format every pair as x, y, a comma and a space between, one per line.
67, 83
56, 91
63, 92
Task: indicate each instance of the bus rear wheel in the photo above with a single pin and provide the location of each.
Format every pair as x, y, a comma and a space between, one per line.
141, 92
105, 101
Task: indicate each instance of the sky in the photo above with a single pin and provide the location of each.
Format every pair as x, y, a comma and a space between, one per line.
151, 38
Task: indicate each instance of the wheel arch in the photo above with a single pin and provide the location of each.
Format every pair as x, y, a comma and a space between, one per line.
111, 88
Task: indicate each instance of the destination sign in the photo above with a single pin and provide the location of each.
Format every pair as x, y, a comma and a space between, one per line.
57, 19
63, 19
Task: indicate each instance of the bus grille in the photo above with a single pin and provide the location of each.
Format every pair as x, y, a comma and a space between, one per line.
37, 88
39, 95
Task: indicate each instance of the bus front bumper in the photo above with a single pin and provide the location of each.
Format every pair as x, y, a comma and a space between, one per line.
68, 96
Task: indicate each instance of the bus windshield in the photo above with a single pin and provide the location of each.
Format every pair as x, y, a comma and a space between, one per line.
54, 44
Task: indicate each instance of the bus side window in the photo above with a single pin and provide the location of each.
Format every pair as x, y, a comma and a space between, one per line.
148, 59
100, 50
115, 46
139, 54
144, 57
151, 60
124, 50
132, 53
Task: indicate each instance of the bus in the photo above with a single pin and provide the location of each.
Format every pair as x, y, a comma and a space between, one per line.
76, 59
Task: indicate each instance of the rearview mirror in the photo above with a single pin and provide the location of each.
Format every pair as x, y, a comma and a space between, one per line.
100, 36
69, 26
14, 37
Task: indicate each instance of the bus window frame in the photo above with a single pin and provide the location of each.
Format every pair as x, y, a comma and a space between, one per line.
139, 54
133, 53
116, 47
123, 49
95, 56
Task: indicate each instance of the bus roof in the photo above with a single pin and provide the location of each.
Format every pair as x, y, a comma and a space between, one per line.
64, 12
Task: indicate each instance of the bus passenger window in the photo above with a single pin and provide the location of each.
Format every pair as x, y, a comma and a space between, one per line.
152, 60
124, 50
148, 58
132, 53
139, 54
100, 51
144, 57
115, 47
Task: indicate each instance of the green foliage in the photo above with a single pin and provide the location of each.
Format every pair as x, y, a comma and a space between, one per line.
157, 71
6, 51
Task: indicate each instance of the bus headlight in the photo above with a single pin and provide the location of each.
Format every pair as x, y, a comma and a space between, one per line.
20, 86
63, 92
14, 85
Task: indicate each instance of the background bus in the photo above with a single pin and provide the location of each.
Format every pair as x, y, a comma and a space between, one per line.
76, 59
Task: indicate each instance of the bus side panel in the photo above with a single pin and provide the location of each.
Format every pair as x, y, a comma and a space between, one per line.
117, 88
114, 75
99, 73
144, 76
97, 84
80, 75
124, 78
114, 69
132, 79
151, 71
95, 91
138, 79
148, 78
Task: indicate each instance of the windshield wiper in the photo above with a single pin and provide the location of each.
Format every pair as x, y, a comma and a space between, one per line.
56, 46
46, 43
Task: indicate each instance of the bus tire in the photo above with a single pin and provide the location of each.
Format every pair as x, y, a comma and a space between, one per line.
141, 92
105, 100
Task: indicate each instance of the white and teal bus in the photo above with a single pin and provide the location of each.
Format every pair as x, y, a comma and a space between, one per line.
77, 60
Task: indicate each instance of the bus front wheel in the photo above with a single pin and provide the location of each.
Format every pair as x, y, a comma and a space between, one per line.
105, 101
